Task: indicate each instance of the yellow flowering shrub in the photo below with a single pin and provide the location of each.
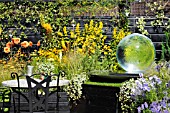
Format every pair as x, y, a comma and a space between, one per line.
117, 36
51, 53
47, 27
90, 39
88, 42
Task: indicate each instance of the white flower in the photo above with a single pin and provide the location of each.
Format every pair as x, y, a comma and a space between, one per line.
46, 67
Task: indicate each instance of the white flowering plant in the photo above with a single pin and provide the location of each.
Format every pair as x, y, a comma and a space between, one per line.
74, 89
45, 67
145, 95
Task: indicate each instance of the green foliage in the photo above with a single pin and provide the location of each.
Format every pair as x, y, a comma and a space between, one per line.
5, 98
157, 10
166, 47
96, 62
140, 25
160, 68
77, 67
21, 15
88, 7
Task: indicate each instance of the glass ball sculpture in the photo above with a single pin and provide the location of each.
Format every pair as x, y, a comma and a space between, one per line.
135, 53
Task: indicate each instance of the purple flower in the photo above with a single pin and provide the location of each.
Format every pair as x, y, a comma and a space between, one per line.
142, 80
141, 75
168, 84
154, 103
155, 107
139, 84
142, 106
158, 68
158, 81
163, 104
168, 104
166, 111
155, 79
146, 87
139, 109
146, 105
154, 110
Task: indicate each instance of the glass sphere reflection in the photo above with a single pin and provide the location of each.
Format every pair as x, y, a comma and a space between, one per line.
135, 53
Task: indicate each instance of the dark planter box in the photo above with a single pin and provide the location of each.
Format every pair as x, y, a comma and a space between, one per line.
101, 99
113, 77
104, 99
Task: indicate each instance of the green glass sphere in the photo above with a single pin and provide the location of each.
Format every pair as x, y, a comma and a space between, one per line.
135, 53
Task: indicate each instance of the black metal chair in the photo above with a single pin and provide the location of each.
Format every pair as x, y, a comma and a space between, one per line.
18, 91
38, 102
61, 73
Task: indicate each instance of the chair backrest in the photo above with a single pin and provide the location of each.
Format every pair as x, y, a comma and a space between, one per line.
38, 102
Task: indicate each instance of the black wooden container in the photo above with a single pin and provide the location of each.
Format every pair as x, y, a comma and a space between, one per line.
101, 99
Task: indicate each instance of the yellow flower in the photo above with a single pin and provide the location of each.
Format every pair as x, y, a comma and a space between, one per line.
12, 67
54, 50
72, 34
109, 50
0, 30
114, 32
86, 27
65, 31
63, 45
80, 50
47, 27
59, 34
105, 47
91, 26
105, 53
94, 44
91, 23
92, 51
78, 29
100, 25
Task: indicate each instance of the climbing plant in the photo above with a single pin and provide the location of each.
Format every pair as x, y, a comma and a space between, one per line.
19, 19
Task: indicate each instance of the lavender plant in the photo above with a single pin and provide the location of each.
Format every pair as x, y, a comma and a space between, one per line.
161, 69
145, 95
